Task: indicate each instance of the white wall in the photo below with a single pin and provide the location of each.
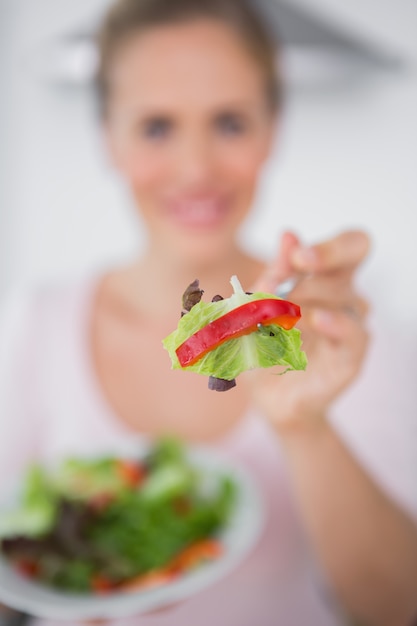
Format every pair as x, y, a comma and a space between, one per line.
349, 159
345, 158
66, 213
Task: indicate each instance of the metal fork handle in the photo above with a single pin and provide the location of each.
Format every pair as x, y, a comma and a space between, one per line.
286, 286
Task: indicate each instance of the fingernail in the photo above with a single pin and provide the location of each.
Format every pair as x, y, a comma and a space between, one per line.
304, 258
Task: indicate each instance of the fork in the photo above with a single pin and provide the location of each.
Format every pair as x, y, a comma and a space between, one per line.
286, 286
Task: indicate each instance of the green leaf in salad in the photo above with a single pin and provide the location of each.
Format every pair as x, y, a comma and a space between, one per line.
37, 512
139, 529
82, 479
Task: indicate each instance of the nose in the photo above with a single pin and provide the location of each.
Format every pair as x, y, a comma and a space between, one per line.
195, 164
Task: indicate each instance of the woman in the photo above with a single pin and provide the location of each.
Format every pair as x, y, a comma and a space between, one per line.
190, 104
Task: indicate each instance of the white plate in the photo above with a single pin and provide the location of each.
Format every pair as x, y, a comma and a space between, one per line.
238, 538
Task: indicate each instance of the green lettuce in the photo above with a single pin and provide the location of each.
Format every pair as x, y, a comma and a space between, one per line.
37, 511
266, 347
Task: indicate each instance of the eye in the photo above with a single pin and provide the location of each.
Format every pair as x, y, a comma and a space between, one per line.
231, 123
156, 128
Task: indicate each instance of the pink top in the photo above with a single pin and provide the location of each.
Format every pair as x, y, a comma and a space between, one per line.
51, 406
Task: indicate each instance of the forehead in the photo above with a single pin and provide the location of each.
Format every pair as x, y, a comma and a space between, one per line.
203, 63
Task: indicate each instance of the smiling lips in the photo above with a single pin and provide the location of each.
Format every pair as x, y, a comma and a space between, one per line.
198, 213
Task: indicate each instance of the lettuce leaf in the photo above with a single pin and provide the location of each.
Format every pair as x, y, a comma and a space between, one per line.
37, 511
267, 347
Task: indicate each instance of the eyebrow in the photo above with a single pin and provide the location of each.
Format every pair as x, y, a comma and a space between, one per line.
159, 110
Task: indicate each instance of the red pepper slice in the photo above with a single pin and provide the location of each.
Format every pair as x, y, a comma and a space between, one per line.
240, 321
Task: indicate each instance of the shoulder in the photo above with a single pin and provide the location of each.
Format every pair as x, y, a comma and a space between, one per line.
26, 313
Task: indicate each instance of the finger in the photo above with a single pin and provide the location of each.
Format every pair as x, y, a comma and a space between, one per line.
280, 268
326, 290
338, 325
343, 252
357, 310
323, 292
341, 341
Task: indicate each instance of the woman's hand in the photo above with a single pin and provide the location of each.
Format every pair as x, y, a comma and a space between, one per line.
347, 526
332, 326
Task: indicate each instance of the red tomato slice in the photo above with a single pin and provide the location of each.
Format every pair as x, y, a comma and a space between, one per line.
240, 321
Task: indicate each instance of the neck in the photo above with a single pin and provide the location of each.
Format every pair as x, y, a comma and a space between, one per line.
157, 281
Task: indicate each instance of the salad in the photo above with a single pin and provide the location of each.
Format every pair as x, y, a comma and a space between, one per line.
117, 524
227, 336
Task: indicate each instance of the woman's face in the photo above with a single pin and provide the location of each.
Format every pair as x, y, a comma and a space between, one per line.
189, 127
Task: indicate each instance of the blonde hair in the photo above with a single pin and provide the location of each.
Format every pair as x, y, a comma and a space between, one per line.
127, 18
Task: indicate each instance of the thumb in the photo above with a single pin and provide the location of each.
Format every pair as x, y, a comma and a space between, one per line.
280, 268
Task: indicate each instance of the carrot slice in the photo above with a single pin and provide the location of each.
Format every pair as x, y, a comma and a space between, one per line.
204, 550
156, 578
130, 472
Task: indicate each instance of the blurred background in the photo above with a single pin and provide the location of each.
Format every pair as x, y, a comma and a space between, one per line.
346, 155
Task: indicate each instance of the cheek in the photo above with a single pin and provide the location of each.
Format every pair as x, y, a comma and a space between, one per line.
147, 175
244, 165
245, 158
